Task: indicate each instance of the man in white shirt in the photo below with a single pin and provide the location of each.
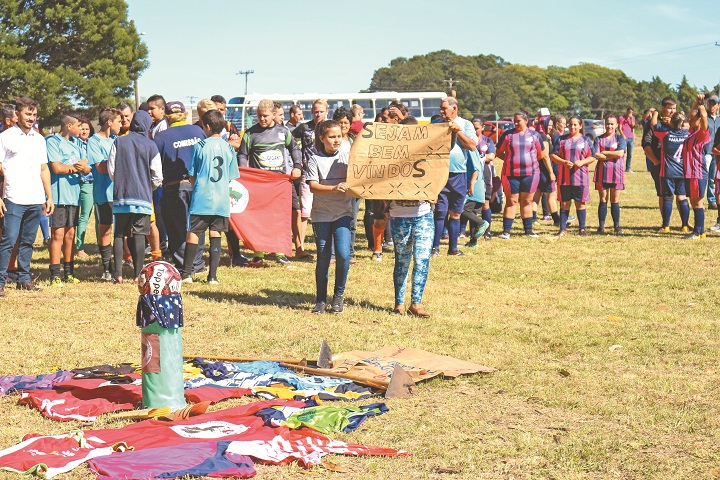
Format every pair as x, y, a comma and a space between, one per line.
26, 194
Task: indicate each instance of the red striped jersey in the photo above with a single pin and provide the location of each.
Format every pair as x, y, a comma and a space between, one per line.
671, 148
573, 149
693, 156
610, 171
521, 151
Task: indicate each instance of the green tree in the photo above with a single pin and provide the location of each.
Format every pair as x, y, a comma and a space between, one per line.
686, 95
69, 53
650, 94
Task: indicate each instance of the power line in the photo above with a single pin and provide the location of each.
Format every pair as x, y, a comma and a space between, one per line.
665, 52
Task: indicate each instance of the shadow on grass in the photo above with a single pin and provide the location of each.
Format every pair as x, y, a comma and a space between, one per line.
269, 297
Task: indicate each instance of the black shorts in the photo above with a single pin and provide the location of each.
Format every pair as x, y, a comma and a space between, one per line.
137, 223
65, 216
200, 223
104, 213
295, 200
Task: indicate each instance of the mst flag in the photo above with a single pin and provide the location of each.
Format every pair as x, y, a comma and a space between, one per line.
260, 210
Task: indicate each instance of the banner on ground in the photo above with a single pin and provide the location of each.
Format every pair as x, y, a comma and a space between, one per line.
421, 365
260, 210
399, 162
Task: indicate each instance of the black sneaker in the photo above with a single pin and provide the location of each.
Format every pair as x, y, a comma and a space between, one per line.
337, 304
319, 307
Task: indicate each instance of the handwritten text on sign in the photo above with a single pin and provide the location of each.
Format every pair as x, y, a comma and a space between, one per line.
399, 162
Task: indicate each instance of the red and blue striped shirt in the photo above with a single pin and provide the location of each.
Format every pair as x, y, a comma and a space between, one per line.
693, 156
610, 171
520, 151
573, 149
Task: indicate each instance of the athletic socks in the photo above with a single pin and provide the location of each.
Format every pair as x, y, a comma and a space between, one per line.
699, 227
188, 259
118, 256
487, 216
439, 227
453, 233
378, 235
602, 214
106, 257
136, 244
684, 212
54, 270
666, 211
556, 218
564, 214
582, 217
69, 268
507, 224
214, 256
615, 212
528, 224
534, 217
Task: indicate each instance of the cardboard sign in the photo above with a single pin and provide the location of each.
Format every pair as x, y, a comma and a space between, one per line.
399, 162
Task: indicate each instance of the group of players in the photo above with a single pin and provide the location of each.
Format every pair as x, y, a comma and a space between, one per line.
541, 165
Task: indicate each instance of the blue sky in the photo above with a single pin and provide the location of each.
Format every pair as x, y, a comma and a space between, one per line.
197, 47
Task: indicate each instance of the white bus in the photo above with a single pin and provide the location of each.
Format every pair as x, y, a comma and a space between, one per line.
421, 105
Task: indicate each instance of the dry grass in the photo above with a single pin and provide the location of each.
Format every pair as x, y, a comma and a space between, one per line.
606, 349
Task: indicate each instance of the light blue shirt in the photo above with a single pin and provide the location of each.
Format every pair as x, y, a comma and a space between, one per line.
458, 161
98, 151
214, 166
65, 187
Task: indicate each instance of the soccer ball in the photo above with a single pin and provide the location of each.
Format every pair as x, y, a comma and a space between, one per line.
159, 278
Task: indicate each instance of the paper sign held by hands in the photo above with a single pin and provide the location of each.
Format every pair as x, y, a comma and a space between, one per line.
399, 162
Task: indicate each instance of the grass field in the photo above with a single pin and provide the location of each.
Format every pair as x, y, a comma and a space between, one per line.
606, 349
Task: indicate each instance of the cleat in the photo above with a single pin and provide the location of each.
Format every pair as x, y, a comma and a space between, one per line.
456, 253
187, 280
435, 252
532, 234
619, 231
482, 229
283, 260
582, 233
685, 229
561, 233
504, 236
56, 282
600, 230
376, 257
664, 230
106, 277
71, 280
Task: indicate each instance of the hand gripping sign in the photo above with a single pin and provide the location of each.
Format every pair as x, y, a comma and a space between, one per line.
399, 162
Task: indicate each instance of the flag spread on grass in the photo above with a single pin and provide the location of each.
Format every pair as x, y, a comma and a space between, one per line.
260, 210
48, 456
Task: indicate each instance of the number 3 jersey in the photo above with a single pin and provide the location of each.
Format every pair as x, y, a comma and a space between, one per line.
671, 151
269, 149
214, 166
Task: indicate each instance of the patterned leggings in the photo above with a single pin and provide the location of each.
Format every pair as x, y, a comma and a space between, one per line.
412, 237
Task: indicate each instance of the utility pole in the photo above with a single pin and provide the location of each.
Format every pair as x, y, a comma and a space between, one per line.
718, 45
451, 83
246, 73
192, 99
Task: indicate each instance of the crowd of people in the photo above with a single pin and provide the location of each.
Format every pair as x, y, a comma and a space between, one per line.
156, 184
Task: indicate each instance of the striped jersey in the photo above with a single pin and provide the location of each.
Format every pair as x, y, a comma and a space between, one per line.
573, 149
693, 156
269, 149
521, 151
671, 148
610, 171
485, 145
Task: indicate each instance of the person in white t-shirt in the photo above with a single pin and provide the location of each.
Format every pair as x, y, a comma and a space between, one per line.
26, 193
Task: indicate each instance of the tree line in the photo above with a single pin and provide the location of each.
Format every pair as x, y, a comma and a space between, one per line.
81, 54
486, 84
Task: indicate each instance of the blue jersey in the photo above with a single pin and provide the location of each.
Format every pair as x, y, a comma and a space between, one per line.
458, 161
65, 187
98, 151
476, 163
671, 151
176, 148
214, 166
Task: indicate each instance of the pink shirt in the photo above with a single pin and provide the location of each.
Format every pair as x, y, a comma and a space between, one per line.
627, 126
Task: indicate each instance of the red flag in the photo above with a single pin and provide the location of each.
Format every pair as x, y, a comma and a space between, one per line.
260, 210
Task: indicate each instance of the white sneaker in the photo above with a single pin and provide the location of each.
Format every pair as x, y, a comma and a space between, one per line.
504, 236
715, 228
187, 280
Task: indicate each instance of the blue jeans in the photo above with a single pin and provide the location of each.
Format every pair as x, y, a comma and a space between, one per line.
712, 169
628, 157
22, 221
327, 234
412, 237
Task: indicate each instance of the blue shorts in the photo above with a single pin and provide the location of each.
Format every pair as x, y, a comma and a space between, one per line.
524, 184
579, 193
672, 186
655, 173
452, 196
544, 184
696, 187
608, 186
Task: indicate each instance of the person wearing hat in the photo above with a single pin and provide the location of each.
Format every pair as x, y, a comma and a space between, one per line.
711, 105
175, 146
